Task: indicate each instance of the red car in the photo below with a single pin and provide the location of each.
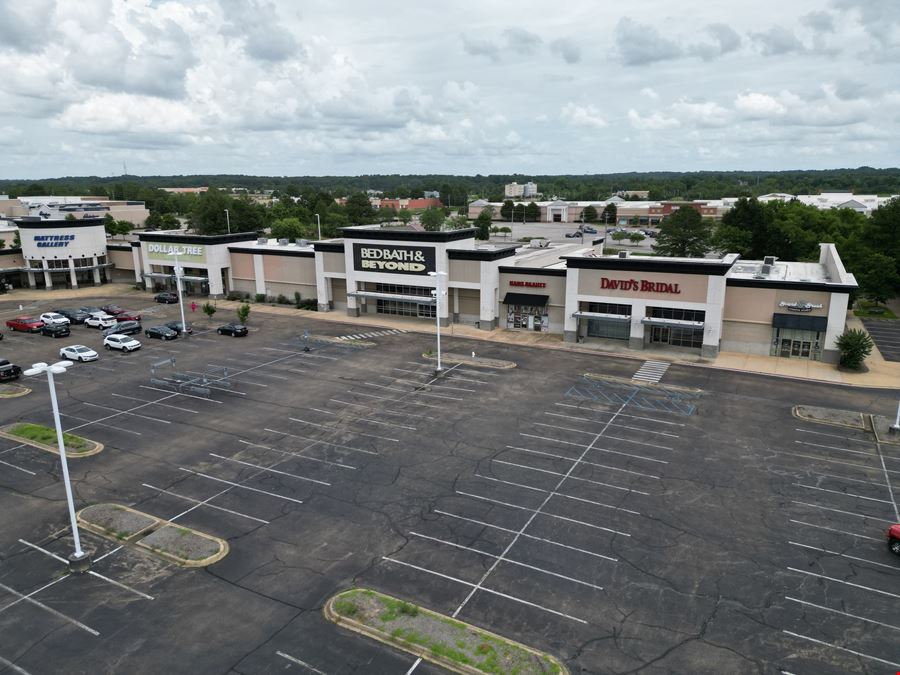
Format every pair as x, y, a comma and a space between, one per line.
25, 324
112, 310
893, 538
126, 315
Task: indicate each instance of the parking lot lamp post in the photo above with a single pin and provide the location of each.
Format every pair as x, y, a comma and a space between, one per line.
895, 427
438, 293
79, 561
178, 274
319, 225
227, 221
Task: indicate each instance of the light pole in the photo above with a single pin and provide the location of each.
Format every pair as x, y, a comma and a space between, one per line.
895, 427
438, 292
319, 225
79, 561
178, 289
227, 221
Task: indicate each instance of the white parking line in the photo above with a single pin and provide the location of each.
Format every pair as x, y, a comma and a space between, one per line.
834, 447
317, 440
507, 560
610, 412
525, 535
819, 549
166, 405
396, 400
123, 412
99, 424
306, 354
556, 494
18, 468
243, 487
837, 611
621, 426
199, 398
828, 508
410, 391
846, 583
582, 445
27, 598
843, 649
205, 503
843, 438
542, 513
584, 461
338, 429
294, 659
6, 663
843, 494
852, 480
480, 587
435, 386
557, 473
270, 469
406, 413
298, 455
831, 461
831, 529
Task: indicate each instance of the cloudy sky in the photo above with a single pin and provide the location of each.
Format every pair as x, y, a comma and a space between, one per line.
475, 86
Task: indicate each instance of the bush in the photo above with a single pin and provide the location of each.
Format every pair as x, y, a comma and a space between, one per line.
311, 304
243, 312
282, 300
209, 309
297, 298
260, 297
237, 295
855, 345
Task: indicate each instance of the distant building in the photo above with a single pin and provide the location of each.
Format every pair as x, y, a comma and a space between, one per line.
864, 204
82, 208
431, 194
513, 190
636, 194
185, 190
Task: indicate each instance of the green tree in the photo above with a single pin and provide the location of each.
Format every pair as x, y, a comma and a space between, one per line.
506, 230
506, 210
169, 221
589, 214
404, 216
243, 312
359, 209
432, 218
483, 223
288, 228
635, 237
209, 309
883, 231
609, 213
877, 277
71, 216
746, 229
2, 243
683, 234
620, 236
855, 345
457, 222
154, 221
532, 212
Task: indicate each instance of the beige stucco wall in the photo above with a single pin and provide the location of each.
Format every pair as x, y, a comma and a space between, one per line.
242, 268
751, 338
555, 287
9, 260
123, 260
289, 269
469, 304
759, 304
244, 285
465, 270
339, 292
333, 262
692, 287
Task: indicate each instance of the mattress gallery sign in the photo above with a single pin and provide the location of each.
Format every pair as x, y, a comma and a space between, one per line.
393, 259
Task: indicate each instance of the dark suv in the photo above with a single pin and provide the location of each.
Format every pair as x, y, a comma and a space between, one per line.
73, 315
56, 330
123, 328
9, 371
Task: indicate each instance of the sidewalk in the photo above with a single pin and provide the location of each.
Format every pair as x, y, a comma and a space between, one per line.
881, 373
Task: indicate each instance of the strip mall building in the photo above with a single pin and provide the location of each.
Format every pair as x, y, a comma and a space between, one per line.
702, 305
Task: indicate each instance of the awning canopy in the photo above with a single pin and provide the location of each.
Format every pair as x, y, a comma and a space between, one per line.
526, 299
674, 323
160, 275
420, 299
624, 318
800, 322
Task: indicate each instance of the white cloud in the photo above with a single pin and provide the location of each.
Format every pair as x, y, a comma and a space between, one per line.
653, 122
582, 116
754, 105
650, 93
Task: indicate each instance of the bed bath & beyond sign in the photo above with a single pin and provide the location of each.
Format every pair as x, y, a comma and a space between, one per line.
394, 259
642, 285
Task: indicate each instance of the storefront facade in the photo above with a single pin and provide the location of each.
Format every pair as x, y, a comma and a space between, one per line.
63, 253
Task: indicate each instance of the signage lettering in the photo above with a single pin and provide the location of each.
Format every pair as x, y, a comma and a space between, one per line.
529, 284
800, 306
642, 286
393, 259
53, 240
176, 249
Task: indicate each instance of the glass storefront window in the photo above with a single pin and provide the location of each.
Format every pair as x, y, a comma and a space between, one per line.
676, 313
793, 343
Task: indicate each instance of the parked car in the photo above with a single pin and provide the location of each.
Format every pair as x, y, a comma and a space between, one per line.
112, 310
573, 235
1, 335
75, 316
161, 333
589, 229
232, 329
893, 538
54, 318
90, 310
127, 315
177, 326
56, 330
26, 324
124, 343
100, 320
123, 328
9, 371
78, 353
166, 297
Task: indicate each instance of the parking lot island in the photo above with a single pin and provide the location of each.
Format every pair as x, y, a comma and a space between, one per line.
476, 361
13, 390
44, 438
183, 546
453, 644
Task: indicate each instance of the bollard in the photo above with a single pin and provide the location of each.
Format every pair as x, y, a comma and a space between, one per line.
79, 564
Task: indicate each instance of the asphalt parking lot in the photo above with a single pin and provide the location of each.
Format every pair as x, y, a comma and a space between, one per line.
623, 528
886, 333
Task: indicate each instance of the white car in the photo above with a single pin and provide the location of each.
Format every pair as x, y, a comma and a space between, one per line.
126, 343
54, 319
100, 320
78, 353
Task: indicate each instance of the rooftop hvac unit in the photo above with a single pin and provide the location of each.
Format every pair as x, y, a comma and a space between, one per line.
623, 254
538, 243
302, 242
769, 260
262, 241
283, 242
765, 270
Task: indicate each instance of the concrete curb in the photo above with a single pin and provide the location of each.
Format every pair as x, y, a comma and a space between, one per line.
421, 652
494, 364
795, 411
157, 524
18, 390
98, 447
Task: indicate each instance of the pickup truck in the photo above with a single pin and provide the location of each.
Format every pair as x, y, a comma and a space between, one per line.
9, 371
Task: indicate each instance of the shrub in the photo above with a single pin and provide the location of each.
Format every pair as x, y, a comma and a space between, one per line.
297, 298
209, 309
282, 300
311, 304
855, 345
243, 312
237, 295
260, 297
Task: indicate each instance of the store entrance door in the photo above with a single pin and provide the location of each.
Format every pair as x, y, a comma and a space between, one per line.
659, 334
795, 348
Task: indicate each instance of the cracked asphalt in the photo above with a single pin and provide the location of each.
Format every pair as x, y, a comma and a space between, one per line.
594, 523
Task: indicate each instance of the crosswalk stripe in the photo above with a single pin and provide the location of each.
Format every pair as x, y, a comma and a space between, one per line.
651, 371
360, 336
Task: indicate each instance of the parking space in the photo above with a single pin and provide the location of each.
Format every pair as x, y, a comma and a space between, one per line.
886, 333
691, 528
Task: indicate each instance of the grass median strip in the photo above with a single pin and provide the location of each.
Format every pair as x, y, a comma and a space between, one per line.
43, 437
453, 644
